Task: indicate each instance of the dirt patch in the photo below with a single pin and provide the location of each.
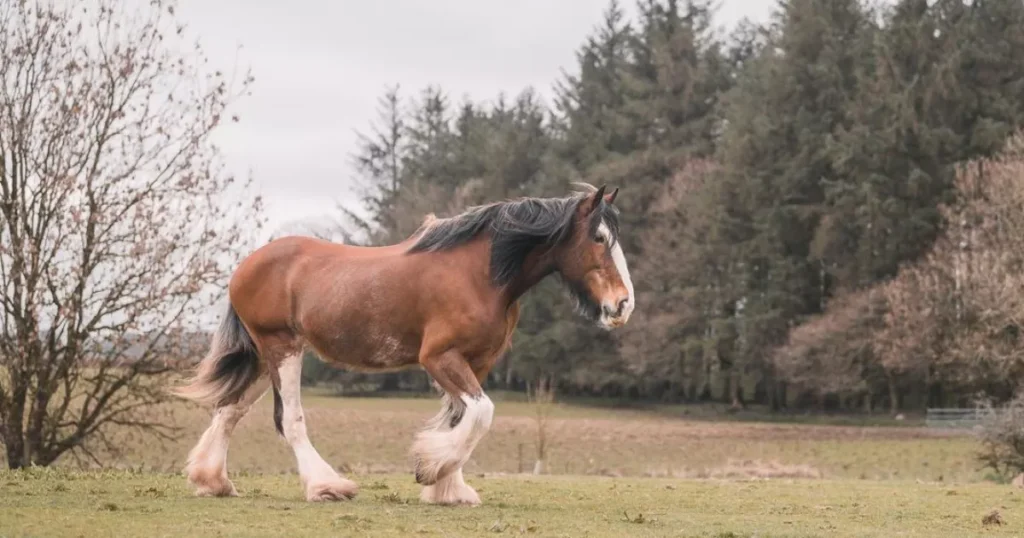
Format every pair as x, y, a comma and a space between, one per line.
761, 469
992, 518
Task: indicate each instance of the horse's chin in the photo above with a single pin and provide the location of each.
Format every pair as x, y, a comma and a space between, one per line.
609, 323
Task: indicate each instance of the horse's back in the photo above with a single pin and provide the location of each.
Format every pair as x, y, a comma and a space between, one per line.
369, 306
268, 284
342, 299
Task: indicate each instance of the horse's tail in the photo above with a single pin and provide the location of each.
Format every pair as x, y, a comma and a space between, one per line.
231, 366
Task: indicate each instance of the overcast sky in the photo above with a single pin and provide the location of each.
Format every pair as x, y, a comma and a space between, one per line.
321, 65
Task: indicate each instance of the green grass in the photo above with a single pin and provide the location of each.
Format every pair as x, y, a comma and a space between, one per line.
73, 503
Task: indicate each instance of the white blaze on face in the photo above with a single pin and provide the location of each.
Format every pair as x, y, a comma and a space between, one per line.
620, 265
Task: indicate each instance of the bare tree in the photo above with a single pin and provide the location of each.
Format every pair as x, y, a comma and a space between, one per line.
115, 217
832, 353
957, 315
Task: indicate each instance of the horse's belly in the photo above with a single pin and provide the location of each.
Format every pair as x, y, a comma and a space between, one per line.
353, 317
365, 349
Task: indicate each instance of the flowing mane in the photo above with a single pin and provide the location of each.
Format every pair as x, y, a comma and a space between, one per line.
516, 228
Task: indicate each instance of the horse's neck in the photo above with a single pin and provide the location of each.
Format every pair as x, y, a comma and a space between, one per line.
536, 268
474, 257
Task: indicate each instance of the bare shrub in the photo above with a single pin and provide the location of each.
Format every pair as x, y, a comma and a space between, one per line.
955, 316
832, 353
1002, 437
542, 398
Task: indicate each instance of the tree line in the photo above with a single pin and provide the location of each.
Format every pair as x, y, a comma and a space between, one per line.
819, 210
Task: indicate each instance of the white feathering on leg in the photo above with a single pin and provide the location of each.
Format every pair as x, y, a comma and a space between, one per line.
451, 489
440, 450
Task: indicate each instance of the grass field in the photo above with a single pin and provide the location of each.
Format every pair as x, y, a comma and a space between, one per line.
643, 472
69, 504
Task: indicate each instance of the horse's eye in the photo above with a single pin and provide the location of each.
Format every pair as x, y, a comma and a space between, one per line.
599, 238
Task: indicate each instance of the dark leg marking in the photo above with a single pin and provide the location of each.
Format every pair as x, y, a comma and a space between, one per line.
454, 410
278, 412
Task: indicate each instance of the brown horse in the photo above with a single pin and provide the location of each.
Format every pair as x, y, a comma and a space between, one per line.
444, 299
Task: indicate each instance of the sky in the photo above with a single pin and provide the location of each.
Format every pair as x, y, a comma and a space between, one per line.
321, 65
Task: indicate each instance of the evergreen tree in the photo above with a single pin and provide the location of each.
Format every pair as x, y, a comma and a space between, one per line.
588, 106
933, 98
768, 180
786, 104
379, 163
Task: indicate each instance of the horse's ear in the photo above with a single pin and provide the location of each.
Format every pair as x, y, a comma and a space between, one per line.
610, 198
596, 200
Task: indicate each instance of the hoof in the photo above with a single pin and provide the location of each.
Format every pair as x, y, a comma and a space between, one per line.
469, 498
223, 491
450, 491
336, 490
212, 485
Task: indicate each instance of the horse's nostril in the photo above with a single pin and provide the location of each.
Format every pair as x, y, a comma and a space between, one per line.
622, 307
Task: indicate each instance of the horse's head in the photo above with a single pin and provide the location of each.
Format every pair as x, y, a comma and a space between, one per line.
592, 264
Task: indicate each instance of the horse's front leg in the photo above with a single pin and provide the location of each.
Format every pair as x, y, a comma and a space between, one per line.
444, 446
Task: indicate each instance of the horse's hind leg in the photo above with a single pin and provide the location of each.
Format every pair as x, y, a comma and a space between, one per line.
445, 445
208, 462
320, 480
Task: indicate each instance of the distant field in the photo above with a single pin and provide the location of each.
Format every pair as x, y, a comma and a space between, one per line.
55, 503
371, 435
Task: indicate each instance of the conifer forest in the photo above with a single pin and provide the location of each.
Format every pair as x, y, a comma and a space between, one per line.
822, 211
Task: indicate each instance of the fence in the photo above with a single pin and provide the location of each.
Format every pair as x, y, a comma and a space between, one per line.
957, 417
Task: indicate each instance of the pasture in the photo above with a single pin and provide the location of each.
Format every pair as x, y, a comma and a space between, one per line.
122, 503
611, 473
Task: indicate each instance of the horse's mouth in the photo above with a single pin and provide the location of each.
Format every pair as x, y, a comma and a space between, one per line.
609, 323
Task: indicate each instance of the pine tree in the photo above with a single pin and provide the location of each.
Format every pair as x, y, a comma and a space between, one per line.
588, 106
788, 101
379, 163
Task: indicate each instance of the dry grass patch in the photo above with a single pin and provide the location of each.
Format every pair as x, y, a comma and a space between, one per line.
365, 435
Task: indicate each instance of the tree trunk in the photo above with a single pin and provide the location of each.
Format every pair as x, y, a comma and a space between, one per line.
736, 392
15, 450
508, 374
726, 387
705, 394
781, 395
770, 389
894, 395
13, 428
34, 434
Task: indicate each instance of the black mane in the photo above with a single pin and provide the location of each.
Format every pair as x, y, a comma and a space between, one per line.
516, 228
